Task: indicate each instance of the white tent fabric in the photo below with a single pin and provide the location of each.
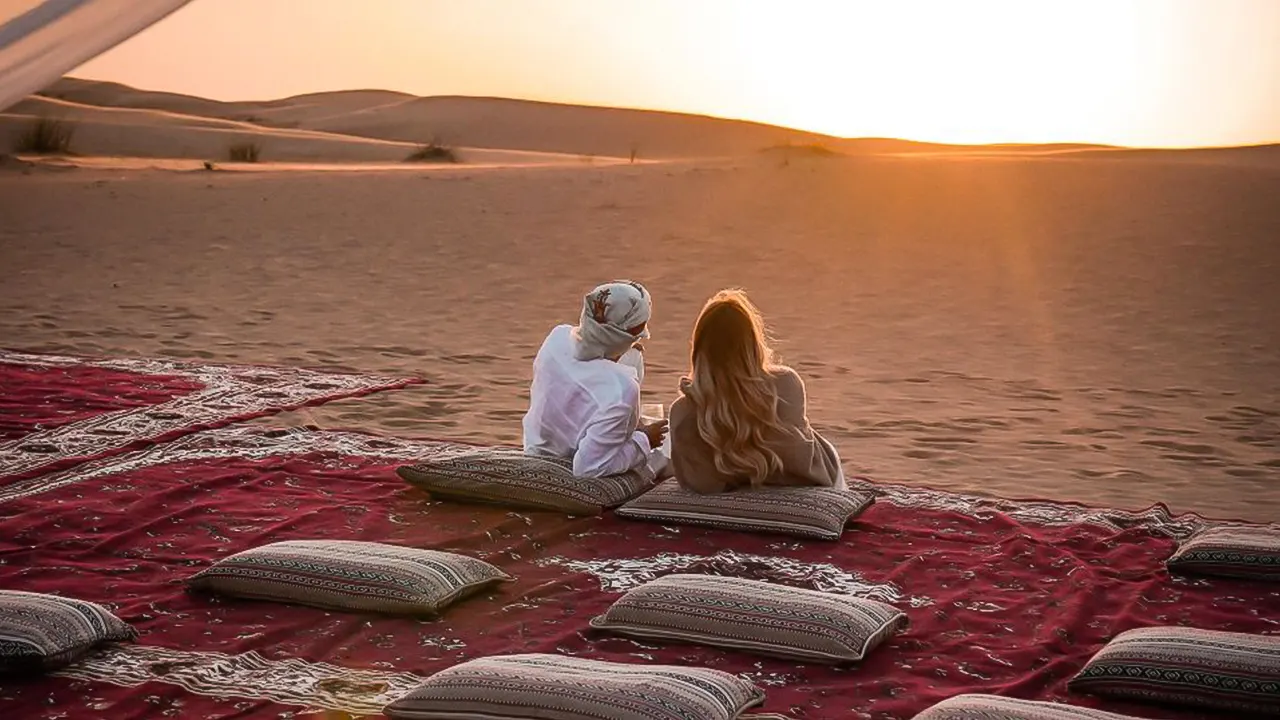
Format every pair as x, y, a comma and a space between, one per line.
41, 40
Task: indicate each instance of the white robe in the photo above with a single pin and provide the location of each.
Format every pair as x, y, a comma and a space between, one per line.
588, 410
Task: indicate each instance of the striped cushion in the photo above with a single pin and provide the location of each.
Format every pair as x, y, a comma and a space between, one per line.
507, 476
555, 687
811, 512
349, 575
754, 616
993, 707
45, 632
1186, 666
1231, 551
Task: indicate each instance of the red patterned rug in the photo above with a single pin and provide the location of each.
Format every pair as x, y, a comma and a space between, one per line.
1004, 597
56, 411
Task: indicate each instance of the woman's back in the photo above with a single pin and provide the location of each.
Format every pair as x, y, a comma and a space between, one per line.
806, 458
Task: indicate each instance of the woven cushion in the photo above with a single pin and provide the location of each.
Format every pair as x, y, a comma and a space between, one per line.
806, 512
555, 687
1186, 666
349, 575
507, 476
1246, 552
755, 616
992, 707
45, 632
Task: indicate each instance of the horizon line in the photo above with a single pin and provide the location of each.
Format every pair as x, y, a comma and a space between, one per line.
676, 113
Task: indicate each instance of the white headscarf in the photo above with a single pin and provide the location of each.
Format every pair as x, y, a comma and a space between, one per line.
608, 312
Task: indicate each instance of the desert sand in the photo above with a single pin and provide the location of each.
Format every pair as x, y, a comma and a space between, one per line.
1077, 323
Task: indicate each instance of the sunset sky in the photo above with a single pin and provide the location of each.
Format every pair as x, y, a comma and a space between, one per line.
1129, 72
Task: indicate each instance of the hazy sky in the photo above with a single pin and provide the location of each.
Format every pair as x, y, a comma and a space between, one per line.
1133, 72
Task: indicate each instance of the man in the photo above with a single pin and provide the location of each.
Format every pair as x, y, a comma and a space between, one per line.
585, 398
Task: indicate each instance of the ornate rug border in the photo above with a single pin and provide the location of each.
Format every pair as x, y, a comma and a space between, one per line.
254, 442
231, 393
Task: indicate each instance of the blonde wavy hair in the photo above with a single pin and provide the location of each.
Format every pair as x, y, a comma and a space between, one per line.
732, 387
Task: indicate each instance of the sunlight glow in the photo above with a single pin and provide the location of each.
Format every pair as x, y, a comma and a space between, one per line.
1133, 72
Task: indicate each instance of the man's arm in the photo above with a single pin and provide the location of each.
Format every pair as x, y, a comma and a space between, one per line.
611, 443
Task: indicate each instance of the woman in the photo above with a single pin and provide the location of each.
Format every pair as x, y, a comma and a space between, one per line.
585, 397
741, 420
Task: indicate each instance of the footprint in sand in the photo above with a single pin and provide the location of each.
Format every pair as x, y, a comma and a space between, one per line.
864, 433
1253, 412
893, 424
979, 423
1106, 433
1046, 395
1133, 412
1201, 460
470, 358
453, 390
427, 410
1182, 448
505, 416
1047, 444
1171, 432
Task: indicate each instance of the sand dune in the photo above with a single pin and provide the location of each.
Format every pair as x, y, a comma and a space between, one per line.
470, 122
168, 134
894, 146
382, 126
1258, 156
109, 94
154, 133
491, 122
